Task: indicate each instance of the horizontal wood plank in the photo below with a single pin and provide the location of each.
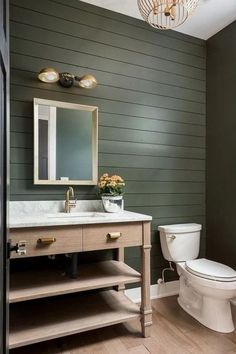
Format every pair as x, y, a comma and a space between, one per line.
125, 160
31, 285
50, 52
25, 171
24, 186
120, 20
154, 99
121, 79
116, 30
71, 43
40, 321
21, 103
25, 140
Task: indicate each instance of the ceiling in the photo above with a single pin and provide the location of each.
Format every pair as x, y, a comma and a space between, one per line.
208, 19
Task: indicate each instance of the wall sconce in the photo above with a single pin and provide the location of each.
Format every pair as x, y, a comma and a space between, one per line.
50, 75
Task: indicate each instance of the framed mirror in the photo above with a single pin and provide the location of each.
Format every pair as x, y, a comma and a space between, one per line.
65, 143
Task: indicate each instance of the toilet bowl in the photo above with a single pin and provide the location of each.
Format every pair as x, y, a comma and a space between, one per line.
206, 287
207, 299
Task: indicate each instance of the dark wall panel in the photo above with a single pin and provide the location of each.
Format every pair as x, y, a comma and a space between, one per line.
221, 146
151, 99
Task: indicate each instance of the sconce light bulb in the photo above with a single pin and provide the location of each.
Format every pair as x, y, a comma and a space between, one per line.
48, 75
88, 81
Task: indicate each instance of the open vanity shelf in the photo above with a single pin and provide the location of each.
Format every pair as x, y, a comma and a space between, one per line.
29, 285
47, 304
39, 321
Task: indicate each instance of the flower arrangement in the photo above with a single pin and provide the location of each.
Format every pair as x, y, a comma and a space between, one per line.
111, 185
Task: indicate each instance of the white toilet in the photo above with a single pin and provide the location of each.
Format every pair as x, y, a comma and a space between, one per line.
206, 287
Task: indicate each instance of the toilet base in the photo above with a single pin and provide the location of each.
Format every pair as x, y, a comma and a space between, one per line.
212, 313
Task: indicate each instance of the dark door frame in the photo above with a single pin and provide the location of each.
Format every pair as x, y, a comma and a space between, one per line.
4, 172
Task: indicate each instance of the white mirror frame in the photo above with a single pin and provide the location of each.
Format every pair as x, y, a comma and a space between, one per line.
94, 110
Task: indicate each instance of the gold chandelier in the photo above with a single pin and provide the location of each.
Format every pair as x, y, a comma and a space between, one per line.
166, 14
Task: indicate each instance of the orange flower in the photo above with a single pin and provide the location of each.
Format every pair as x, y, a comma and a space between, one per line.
111, 184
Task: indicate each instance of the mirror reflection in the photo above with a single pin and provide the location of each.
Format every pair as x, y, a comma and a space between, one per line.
65, 143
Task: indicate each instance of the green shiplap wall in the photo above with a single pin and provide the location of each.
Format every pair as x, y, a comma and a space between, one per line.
151, 99
221, 146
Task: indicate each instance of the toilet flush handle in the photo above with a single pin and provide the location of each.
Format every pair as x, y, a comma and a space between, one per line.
172, 237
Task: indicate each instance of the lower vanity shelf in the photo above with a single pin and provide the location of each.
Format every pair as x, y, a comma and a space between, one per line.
37, 321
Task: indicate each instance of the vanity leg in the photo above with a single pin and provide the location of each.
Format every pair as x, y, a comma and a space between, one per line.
120, 256
146, 308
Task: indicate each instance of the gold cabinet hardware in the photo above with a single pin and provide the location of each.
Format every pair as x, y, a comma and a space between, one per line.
46, 240
114, 235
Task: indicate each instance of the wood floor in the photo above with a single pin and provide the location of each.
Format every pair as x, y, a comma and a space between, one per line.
173, 332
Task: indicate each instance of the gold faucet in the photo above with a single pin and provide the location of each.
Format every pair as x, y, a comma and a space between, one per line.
70, 203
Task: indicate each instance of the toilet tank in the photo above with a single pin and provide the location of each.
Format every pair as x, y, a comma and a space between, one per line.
180, 242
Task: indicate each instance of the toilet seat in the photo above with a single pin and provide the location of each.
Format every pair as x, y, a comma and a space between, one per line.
207, 269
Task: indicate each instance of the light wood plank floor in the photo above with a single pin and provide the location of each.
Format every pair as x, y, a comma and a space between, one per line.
173, 332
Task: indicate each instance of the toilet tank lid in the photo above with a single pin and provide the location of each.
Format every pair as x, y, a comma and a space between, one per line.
180, 228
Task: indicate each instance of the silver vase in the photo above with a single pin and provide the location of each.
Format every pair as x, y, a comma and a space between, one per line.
113, 204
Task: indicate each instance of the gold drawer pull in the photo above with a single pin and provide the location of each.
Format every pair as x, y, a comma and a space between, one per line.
114, 235
46, 240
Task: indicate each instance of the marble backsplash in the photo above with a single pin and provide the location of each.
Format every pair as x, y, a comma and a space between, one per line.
27, 208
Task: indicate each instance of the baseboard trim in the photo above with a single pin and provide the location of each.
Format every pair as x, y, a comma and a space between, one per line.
233, 302
157, 291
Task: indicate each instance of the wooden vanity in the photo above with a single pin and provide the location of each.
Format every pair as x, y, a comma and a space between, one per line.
48, 305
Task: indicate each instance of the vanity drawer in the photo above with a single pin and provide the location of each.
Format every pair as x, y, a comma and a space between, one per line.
106, 236
48, 241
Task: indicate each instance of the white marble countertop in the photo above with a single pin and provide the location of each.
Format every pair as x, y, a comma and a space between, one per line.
43, 213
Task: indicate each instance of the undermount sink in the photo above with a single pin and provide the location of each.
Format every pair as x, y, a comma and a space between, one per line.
84, 214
